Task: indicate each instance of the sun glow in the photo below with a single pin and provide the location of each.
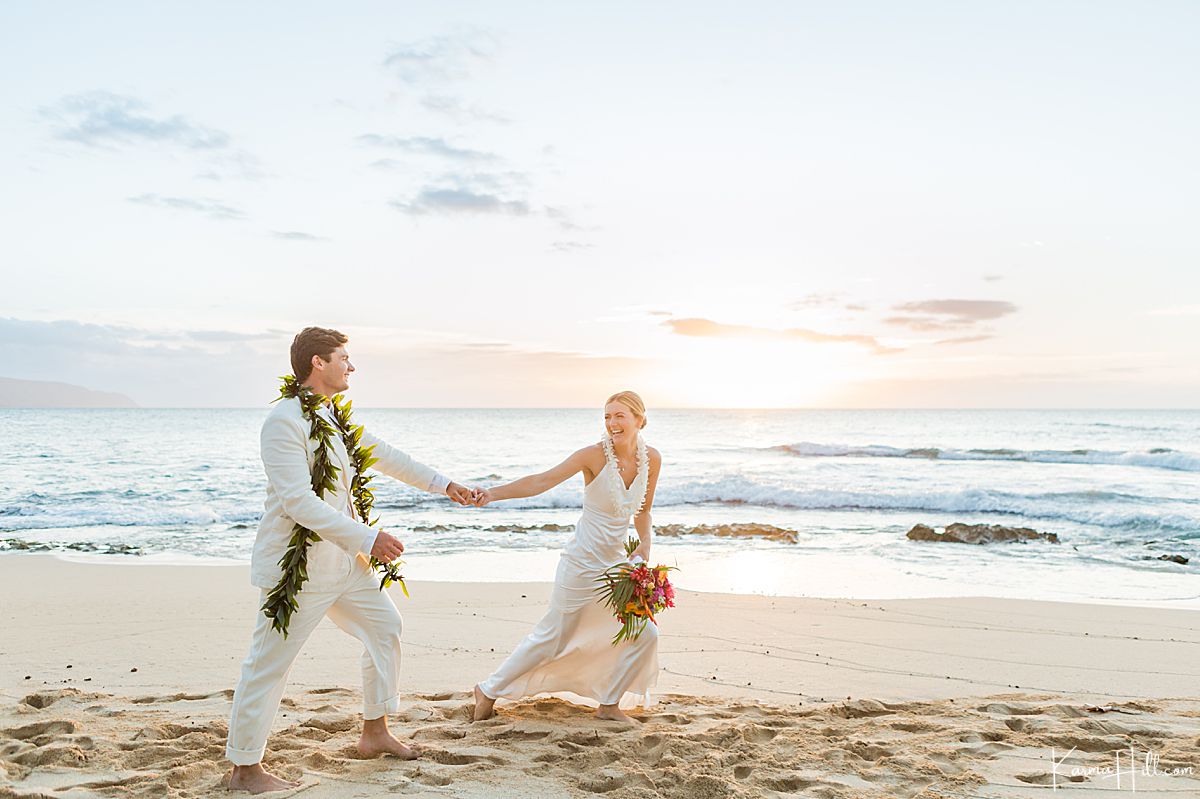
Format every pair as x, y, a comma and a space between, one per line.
716, 373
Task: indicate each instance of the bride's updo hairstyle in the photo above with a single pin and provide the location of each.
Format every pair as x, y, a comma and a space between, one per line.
633, 402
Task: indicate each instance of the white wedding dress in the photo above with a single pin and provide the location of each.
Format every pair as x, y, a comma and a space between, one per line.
570, 651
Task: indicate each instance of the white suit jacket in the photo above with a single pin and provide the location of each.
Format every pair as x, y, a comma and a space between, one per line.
287, 456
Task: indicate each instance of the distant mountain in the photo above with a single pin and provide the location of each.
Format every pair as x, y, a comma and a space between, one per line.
44, 394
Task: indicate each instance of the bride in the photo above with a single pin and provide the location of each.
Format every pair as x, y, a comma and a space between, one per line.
570, 649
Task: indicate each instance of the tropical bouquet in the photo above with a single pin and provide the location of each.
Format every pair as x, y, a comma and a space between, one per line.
635, 592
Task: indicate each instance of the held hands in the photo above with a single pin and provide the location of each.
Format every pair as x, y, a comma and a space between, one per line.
460, 494
477, 497
643, 552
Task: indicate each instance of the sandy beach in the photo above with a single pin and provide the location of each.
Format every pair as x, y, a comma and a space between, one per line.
117, 680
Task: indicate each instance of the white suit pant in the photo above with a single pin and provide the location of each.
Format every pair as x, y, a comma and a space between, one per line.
356, 606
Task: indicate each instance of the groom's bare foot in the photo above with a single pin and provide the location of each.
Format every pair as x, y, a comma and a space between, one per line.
256, 779
386, 744
376, 741
611, 713
484, 705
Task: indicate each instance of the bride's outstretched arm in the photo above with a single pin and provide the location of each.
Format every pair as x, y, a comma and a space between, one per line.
642, 521
534, 484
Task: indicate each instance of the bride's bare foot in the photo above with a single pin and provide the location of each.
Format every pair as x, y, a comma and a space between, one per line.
611, 713
484, 705
256, 779
376, 741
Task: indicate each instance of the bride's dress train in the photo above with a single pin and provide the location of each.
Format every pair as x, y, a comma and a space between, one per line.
570, 650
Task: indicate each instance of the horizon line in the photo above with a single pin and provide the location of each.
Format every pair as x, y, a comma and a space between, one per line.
586, 407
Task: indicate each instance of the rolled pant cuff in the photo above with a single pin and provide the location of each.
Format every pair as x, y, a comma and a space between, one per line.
245, 757
380, 709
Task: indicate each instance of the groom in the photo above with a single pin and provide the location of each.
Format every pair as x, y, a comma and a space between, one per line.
340, 585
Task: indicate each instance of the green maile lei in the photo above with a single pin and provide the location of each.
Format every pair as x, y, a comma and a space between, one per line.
281, 601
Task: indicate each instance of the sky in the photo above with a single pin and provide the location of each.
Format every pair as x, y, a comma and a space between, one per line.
794, 204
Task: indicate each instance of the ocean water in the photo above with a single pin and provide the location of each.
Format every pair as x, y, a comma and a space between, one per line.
1120, 488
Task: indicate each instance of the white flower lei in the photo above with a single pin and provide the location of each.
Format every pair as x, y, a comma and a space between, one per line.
627, 505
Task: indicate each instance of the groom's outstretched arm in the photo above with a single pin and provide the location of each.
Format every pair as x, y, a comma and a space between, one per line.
285, 459
402, 467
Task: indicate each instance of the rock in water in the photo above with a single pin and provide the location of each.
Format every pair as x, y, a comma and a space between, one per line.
958, 533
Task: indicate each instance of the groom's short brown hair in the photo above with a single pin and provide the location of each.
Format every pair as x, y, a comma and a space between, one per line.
314, 341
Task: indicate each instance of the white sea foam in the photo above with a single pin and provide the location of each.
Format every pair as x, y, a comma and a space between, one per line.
1155, 458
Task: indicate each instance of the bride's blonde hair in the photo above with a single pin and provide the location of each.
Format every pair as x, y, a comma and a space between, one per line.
633, 402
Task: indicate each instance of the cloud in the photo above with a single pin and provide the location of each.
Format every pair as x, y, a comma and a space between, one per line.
210, 208
239, 165
501, 373
923, 324
815, 300
949, 314
707, 328
565, 220
993, 278
427, 145
510, 180
963, 339
441, 59
231, 335
459, 201
829, 299
967, 310
469, 193
104, 119
154, 367
296, 235
176, 368
570, 246
459, 111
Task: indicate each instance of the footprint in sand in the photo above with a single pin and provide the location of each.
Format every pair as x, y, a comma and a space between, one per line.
461, 758
513, 735
868, 751
1005, 709
427, 778
1046, 778
53, 755
341, 723
44, 699
444, 696
323, 761
1084, 743
860, 709
181, 697
40, 729
786, 784
592, 738
163, 732
440, 733
916, 726
610, 780
758, 734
